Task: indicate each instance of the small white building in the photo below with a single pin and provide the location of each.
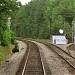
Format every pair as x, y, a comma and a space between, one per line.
59, 39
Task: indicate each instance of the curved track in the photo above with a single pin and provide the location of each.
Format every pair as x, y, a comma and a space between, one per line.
32, 63
67, 57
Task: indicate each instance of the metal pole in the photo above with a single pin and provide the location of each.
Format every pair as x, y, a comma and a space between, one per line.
50, 28
74, 31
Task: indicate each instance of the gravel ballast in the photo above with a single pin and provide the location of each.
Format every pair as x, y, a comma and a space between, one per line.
11, 65
69, 48
54, 62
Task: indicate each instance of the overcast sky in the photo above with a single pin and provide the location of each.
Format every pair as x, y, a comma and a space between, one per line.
24, 1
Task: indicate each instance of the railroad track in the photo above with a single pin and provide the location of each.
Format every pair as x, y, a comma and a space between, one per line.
69, 60
71, 47
33, 64
67, 57
63, 54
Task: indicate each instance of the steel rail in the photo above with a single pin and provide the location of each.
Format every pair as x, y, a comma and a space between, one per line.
26, 62
47, 44
63, 50
73, 66
42, 64
41, 59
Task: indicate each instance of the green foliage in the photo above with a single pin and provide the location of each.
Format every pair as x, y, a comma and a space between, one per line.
30, 21
7, 8
12, 37
57, 24
43, 18
16, 48
68, 32
6, 38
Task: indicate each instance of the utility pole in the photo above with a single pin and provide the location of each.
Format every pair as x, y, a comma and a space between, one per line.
73, 24
73, 30
50, 28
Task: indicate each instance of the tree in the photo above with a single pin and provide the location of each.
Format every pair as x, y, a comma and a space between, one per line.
43, 18
7, 8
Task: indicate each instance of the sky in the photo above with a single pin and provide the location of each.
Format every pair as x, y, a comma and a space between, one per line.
24, 1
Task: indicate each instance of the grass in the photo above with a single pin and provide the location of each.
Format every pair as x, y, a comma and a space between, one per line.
38, 40
5, 52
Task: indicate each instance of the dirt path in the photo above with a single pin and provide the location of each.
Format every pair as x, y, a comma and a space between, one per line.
10, 68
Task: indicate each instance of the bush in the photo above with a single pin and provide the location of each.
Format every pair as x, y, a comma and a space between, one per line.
16, 48
6, 38
12, 37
